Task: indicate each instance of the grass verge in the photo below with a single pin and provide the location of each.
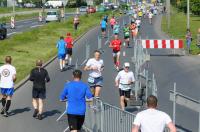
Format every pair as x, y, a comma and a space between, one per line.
178, 27
4, 10
39, 43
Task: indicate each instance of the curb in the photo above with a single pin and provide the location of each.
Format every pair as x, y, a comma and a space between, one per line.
26, 79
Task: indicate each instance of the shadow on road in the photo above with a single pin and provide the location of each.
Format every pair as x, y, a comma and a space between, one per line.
19, 111
183, 129
51, 113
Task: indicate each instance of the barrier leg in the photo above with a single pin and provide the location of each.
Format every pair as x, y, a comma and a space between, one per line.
61, 116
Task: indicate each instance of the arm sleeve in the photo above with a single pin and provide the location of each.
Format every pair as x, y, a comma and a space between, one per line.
31, 77
88, 92
64, 93
137, 120
167, 119
47, 77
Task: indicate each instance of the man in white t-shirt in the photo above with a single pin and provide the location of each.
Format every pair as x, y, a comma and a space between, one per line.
123, 81
7, 79
150, 17
95, 67
152, 120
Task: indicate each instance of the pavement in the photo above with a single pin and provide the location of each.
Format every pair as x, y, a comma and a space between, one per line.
184, 70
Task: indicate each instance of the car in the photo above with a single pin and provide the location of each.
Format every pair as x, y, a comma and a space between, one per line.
91, 10
116, 6
3, 31
53, 15
83, 9
29, 5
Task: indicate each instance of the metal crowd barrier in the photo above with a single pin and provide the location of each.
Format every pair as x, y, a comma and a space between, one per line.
103, 117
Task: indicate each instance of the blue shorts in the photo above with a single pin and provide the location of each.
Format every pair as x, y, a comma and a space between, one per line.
7, 91
96, 82
61, 56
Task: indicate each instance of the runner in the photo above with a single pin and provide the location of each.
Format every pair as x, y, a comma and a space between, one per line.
7, 79
112, 22
116, 29
76, 22
69, 45
150, 17
95, 66
103, 27
75, 92
134, 30
140, 14
106, 18
138, 23
116, 46
126, 35
123, 81
39, 76
61, 52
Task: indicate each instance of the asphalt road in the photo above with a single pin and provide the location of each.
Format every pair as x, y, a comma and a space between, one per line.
24, 25
183, 70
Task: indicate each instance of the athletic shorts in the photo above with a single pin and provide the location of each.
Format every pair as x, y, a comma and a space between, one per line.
7, 91
69, 51
116, 33
75, 121
115, 53
93, 82
61, 56
126, 37
124, 93
112, 26
39, 93
103, 29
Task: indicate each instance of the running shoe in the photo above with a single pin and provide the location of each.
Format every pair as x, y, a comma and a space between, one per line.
39, 117
5, 114
35, 113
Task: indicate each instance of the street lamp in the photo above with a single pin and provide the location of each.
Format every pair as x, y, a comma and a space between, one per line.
188, 14
14, 8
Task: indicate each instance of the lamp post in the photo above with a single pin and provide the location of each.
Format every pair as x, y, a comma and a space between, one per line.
13, 8
188, 14
168, 14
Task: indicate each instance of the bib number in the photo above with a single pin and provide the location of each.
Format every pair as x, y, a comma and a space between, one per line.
91, 80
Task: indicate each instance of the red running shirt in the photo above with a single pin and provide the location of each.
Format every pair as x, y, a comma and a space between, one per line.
69, 42
116, 44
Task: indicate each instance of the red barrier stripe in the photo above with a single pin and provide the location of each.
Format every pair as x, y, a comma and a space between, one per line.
163, 44
147, 44
171, 44
181, 44
155, 44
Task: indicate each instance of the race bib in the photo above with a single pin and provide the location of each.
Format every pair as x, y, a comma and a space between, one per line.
91, 80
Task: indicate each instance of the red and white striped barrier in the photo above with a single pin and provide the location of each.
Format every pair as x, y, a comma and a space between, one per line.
162, 44
12, 22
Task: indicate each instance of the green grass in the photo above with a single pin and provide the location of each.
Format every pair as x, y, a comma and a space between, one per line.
19, 17
40, 43
10, 9
178, 27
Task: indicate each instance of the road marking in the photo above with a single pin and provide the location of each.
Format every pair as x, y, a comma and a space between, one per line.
36, 26
11, 33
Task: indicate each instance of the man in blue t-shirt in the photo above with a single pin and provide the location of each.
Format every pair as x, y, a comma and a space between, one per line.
103, 27
61, 52
75, 92
116, 29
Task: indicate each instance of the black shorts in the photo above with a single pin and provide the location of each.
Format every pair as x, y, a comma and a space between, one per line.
69, 51
39, 93
75, 121
124, 93
103, 29
126, 37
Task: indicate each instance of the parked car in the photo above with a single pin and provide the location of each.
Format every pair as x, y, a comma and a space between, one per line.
3, 31
83, 9
29, 5
91, 10
53, 15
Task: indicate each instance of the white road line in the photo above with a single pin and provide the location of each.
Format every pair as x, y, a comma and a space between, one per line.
36, 26
11, 33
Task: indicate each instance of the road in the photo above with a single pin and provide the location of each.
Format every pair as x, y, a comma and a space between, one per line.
183, 70
24, 25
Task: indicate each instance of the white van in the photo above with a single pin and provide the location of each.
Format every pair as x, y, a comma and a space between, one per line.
53, 15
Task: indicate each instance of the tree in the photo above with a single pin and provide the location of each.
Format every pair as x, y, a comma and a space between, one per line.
195, 7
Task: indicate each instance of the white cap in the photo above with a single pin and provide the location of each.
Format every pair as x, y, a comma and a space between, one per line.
126, 64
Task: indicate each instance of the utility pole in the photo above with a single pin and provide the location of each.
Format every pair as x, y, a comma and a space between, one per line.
168, 14
188, 14
13, 8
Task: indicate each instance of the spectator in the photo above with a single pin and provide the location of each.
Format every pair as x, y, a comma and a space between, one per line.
39, 76
76, 22
61, 52
152, 120
188, 37
7, 79
76, 91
